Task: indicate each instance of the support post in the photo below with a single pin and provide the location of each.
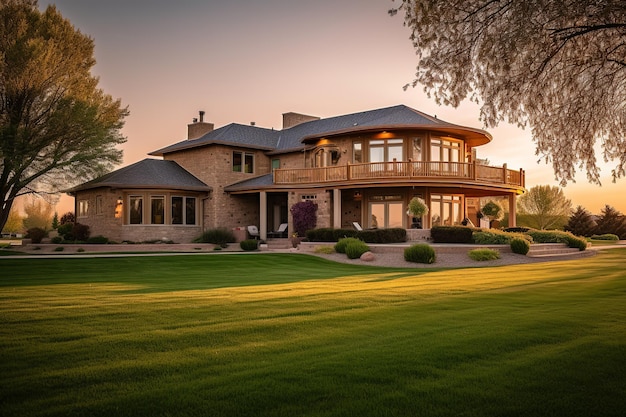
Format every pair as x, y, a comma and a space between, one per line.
336, 208
263, 215
513, 210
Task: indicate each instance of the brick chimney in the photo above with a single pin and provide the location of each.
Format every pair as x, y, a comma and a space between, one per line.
292, 119
199, 127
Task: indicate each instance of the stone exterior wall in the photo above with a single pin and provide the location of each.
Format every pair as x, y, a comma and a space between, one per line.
321, 197
104, 223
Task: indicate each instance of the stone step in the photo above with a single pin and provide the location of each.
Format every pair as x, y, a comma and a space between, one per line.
551, 249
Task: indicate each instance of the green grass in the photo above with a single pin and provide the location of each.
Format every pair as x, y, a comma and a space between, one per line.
293, 335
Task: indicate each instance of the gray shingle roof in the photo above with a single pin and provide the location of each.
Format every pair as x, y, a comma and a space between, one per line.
293, 138
148, 173
266, 180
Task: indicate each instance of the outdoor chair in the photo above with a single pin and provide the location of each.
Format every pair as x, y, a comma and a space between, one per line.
357, 226
253, 231
281, 232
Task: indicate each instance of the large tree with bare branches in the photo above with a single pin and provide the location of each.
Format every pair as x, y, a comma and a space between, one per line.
56, 125
555, 66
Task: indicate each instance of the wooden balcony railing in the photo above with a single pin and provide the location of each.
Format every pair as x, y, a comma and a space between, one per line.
401, 171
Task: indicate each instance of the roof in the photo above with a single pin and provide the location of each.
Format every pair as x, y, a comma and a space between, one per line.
148, 173
262, 181
295, 138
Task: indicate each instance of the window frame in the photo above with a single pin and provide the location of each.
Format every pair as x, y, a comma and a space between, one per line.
246, 162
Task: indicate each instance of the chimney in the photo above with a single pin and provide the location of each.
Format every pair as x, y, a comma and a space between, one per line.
292, 119
197, 129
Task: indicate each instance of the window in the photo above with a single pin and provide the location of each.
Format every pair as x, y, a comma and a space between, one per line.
157, 210
445, 150
385, 212
83, 208
135, 209
357, 153
275, 164
417, 149
243, 162
184, 210
445, 210
386, 150
99, 206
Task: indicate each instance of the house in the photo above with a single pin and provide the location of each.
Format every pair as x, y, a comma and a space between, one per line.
363, 167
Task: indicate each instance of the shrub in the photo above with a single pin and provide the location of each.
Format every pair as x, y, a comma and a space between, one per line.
220, 236
556, 236
81, 232
516, 229
340, 246
355, 249
520, 246
484, 254
59, 249
65, 231
421, 253
56, 240
67, 218
35, 234
249, 244
304, 216
496, 237
393, 235
98, 240
327, 250
606, 236
451, 234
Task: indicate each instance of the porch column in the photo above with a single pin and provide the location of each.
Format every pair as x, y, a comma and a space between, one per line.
512, 210
263, 215
337, 208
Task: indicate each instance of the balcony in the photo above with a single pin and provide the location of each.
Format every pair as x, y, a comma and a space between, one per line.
402, 171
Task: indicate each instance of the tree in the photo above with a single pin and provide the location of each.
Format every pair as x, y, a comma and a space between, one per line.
558, 67
56, 126
492, 211
580, 223
544, 207
304, 216
611, 221
38, 214
14, 224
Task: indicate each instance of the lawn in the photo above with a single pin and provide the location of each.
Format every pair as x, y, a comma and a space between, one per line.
294, 335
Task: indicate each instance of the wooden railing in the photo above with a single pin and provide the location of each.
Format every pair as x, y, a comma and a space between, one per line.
399, 171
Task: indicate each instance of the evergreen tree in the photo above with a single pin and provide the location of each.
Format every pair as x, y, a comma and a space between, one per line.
580, 223
611, 221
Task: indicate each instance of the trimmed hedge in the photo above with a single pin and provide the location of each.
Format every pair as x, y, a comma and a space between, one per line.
606, 236
451, 234
98, 240
557, 236
356, 248
393, 235
220, 236
497, 237
420, 253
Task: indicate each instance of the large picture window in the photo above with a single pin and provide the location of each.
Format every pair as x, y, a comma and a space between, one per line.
157, 210
135, 215
184, 210
386, 150
243, 162
385, 212
445, 210
445, 150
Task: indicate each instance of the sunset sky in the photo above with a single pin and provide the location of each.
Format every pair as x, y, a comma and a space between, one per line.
243, 61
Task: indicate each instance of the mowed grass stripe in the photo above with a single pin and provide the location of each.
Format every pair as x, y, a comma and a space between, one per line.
338, 340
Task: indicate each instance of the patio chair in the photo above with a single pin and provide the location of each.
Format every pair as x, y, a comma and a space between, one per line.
281, 232
253, 231
357, 226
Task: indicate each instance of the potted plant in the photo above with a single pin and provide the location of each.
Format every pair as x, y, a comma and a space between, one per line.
417, 209
492, 211
295, 240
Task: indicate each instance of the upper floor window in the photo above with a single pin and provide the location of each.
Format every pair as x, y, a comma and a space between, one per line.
445, 150
275, 164
417, 154
357, 152
243, 162
386, 150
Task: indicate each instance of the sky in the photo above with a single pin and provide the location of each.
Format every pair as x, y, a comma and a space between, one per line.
248, 61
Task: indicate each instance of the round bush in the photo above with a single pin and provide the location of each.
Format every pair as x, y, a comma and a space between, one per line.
36, 234
421, 253
56, 240
220, 236
520, 246
249, 244
98, 240
483, 254
340, 246
354, 250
